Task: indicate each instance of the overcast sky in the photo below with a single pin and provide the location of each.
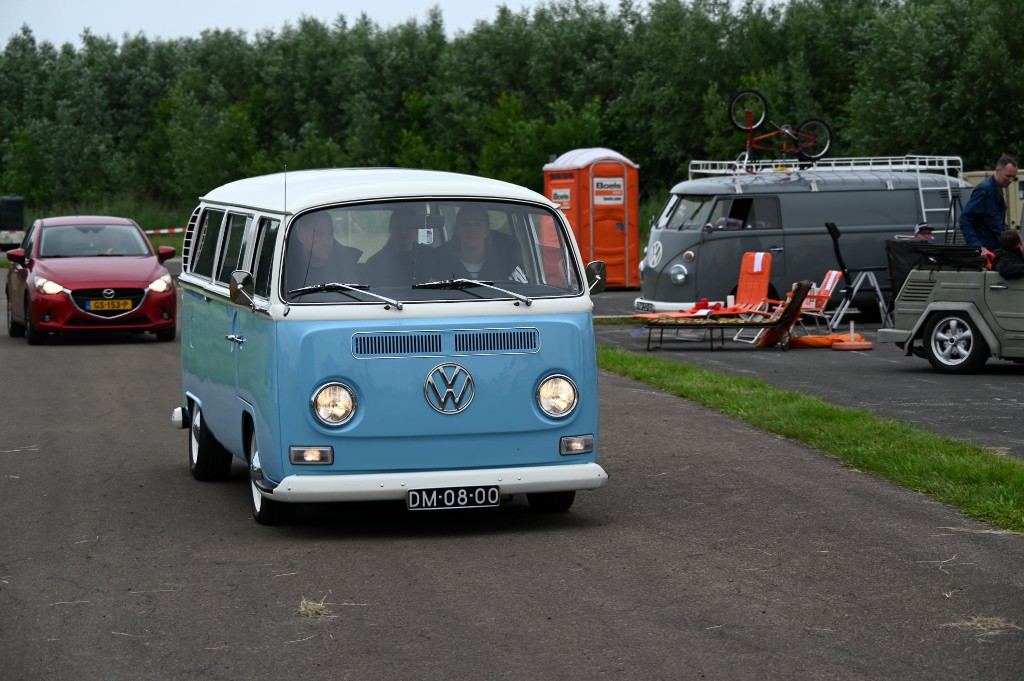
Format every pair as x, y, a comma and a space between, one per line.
60, 21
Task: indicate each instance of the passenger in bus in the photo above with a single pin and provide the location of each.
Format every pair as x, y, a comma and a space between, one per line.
478, 252
402, 260
315, 256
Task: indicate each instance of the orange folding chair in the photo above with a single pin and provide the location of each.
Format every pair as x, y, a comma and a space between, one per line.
817, 300
752, 292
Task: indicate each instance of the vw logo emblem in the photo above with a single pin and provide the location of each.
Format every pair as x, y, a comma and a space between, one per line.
449, 388
108, 293
654, 256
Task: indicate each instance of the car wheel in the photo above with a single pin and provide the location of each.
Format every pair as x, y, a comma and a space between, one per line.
551, 502
33, 336
207, 458
165, 335
14, 329
953, 344
264, 511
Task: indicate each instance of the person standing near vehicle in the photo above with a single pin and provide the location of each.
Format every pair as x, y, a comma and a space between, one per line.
923, 232
1010, 261
984, 216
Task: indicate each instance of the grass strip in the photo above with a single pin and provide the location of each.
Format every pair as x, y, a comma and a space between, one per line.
980, 482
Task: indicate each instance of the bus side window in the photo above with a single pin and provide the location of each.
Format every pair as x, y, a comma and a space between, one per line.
264, 259
206, 243
234, 248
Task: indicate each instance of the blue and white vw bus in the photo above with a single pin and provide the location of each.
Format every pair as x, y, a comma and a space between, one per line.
386, 334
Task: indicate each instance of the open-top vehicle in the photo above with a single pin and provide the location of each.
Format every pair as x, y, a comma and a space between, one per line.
955, 312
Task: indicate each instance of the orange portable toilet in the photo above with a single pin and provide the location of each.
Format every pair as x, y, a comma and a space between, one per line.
598, 190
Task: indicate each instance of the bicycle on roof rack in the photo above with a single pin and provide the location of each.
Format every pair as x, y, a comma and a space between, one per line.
809, 141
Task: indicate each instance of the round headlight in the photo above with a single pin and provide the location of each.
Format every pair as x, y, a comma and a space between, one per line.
677, 273
334, 404
557, 396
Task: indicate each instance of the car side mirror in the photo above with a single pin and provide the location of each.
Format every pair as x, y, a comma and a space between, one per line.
242, 288
165, 253
708, 228
16, 255
597, 276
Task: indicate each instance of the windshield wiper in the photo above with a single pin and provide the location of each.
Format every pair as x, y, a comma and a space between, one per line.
471, 283
336, 287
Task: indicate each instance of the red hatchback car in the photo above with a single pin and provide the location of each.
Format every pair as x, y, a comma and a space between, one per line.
89, 274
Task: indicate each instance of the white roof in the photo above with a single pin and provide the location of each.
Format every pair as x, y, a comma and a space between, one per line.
581, 158
304, 189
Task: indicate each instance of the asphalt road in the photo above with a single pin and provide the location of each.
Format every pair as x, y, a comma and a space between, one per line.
715, 552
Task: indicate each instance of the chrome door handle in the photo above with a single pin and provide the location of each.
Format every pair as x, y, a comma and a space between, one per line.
235, 339
998, 287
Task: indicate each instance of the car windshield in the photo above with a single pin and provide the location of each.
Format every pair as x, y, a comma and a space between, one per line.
685, 212
84, 241
408, 251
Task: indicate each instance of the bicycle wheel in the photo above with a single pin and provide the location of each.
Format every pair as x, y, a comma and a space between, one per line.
748, 110
814, 139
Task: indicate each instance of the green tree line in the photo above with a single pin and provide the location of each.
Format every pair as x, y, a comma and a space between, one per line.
167, 120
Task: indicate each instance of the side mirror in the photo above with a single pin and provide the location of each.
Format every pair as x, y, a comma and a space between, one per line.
242, 288
597, 276
708, 228
16, 255
165, 253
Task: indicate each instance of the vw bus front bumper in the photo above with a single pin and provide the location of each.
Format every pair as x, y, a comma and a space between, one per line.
385, 486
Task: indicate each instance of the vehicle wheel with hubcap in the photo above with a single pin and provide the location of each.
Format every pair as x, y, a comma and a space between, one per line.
14, 329
207, 458
264, 511
953, 343
551, 502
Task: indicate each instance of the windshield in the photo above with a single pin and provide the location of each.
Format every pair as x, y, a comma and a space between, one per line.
83, 241
685, 212
426, 251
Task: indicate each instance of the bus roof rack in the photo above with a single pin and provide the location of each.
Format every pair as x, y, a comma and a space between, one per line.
943, 165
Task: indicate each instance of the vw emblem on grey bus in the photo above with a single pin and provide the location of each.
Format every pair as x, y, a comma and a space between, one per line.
449, 388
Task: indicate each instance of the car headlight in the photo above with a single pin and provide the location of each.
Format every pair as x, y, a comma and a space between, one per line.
677, 273
333, 404
162, 284
50, 288
557, 396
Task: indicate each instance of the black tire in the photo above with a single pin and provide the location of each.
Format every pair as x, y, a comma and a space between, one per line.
814, 139
551, 502
165, 335
33, 336
953, 344
14, 329
265, 511
746, 101
207, 458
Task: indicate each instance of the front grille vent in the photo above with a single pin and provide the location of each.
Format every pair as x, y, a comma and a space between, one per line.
512, 340
396, 344
445, 343
917, 291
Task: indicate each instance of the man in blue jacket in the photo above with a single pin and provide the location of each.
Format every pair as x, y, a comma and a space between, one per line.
984, 216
